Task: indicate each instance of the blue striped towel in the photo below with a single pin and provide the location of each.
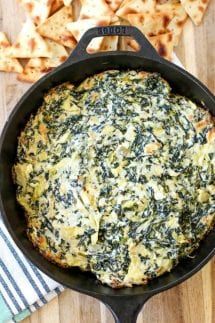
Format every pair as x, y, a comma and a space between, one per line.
23, 288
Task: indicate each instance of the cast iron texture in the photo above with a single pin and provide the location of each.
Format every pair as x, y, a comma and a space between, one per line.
125, 303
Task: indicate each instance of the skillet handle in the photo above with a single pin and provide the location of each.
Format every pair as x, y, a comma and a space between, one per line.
146, 49
125, 309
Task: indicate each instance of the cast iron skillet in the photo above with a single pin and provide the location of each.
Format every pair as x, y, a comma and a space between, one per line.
125, 303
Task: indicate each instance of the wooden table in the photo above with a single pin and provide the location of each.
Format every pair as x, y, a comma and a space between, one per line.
194, 300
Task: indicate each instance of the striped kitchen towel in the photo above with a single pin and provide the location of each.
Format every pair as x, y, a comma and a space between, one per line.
23, 288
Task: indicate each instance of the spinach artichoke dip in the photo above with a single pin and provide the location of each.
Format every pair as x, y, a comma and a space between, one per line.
116, 176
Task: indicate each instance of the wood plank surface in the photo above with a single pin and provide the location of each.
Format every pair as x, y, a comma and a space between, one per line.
194, 300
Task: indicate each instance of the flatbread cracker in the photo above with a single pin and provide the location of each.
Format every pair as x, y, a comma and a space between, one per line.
29, 43
76, 5
67, 2
55, 27
177, 23
135, 6
37, 67
164, 44
114, 4
59, 55
37, 10
30, 74
109, 43
128, 43
151, 24
158, 2
195, 9
56, 49
42, 64
78, 28
92, 9
8, 64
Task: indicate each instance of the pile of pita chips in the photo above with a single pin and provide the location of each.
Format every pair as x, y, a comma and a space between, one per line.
151, 24
179, 17
30, 74
135, 6
7, 64
95, 14
78, 28
29, 43
195, 9
92, 9
54, 27
163, 43
36, 67
161, 19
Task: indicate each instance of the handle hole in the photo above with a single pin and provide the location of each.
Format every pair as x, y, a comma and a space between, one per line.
103, 44
112, 43
128, 43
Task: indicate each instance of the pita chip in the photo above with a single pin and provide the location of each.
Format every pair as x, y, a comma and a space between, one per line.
151, 24
114, 4
30, 74
37, 10
56, 49
67, 2
160, 2
129, 44
164, 44
59, 55
43, 65
55, 27
29, 43
135, 6
7, 64
78, 28
177, 23
76, 5
91, 9
195, 9
37, 67
56, 5
109, 43
179, 18
168, 6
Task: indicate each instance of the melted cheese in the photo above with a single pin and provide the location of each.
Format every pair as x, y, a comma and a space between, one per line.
116, 176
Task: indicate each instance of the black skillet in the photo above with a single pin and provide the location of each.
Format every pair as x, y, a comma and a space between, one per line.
125, 303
